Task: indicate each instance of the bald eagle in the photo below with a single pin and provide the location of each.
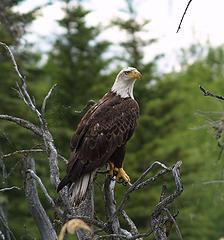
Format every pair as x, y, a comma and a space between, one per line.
101, 136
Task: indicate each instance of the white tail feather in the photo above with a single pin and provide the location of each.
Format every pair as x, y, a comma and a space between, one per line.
78, 189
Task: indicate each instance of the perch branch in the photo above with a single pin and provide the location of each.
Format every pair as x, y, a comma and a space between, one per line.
185, 11
110, 206
137, 183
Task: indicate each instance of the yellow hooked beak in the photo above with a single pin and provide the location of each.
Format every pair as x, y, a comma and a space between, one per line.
135, 75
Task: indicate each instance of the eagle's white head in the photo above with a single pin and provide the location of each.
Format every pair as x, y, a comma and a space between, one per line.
124, 82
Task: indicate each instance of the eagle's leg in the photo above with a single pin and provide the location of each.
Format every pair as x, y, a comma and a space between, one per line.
121, 175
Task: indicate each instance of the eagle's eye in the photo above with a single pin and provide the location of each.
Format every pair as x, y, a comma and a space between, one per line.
126, 72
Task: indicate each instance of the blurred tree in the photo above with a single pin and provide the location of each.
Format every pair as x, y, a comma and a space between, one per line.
199, 217
77, 64
133, 46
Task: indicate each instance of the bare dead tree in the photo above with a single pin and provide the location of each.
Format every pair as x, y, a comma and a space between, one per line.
112, 228
182, 18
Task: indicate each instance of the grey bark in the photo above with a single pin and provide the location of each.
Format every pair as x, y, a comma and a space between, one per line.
110, 207
86, 209
44, 225
4, 228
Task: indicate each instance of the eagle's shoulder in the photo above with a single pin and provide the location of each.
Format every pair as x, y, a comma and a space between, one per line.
107, 115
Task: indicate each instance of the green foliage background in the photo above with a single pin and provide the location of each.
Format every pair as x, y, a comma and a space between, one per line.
176, 121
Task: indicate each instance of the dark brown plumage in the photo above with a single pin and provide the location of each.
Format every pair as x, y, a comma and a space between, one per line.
101, 136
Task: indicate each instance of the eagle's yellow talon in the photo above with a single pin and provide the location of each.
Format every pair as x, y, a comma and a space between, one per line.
122, 175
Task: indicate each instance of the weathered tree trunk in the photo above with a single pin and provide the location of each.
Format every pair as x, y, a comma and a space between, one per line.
43, 222
4, 228
86, 208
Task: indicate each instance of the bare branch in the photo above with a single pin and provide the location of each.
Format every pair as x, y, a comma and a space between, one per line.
63, 158
23, 151
13, 59
156, 219
185, 11
9, 188
44, 190
23, 123
24, 92
4, 172
175, 223
137, 185
152, 179
110, 206
210, 94
89, 104
137, 236
131, 224
90, 221
43, 222
5, 232
213, 182
46, 99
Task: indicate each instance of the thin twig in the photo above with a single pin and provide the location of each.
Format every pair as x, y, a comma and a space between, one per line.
9, 188
213, 182
210, 94
133, 228
46, 99
44, 190
175, 223
23, 151
152, 179
185, 11
13, 59
89, 104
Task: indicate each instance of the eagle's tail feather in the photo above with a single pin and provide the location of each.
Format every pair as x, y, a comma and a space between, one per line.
79, 187
65, 181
